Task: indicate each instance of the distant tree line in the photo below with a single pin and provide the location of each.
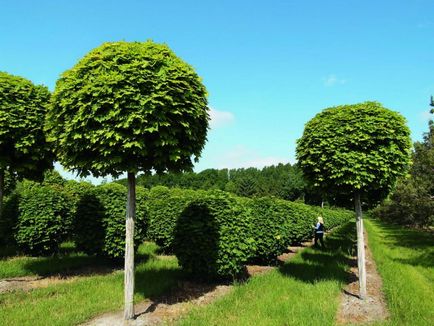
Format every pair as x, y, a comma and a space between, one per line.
283, 181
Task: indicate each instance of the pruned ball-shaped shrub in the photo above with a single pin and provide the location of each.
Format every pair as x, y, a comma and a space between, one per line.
213, 237
43, 219
164, 212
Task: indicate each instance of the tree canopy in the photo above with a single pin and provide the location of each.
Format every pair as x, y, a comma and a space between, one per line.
23, 105
129, 107
362, 147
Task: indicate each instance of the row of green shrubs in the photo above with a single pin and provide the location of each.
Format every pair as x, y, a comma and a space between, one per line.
213, 233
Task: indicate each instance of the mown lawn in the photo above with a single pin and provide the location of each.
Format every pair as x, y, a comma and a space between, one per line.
405, 261
76, 302
304, 291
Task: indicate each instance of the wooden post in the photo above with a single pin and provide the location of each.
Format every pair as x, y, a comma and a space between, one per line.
129, 247
360, 247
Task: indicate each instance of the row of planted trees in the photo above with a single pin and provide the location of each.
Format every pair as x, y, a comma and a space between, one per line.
131, 107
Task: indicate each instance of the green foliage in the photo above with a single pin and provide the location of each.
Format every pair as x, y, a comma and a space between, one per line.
410, 204
88, 227
361, 147
128, 107
43, 219
9, 218
164, 212
213, 237
214, 233
283, 181
276, 224
22, 141
412, 201
100, 220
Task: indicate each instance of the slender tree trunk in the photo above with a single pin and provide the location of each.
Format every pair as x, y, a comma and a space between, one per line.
129, 247
360, 247
2, 186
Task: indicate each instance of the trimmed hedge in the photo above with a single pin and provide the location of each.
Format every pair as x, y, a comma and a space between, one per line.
44, 218
277, 224
213, 237
100, 220
164, 212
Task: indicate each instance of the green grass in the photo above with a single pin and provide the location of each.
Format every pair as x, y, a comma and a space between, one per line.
304, 291
405, 261
64, 262
75, 302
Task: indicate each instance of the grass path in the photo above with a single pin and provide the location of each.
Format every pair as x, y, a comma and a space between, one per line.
304, 291
405, 260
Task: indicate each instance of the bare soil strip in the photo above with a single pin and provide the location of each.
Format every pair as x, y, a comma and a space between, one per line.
27, 283
373, 308
177, 303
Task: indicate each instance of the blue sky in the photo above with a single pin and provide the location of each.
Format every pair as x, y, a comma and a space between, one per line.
269, 66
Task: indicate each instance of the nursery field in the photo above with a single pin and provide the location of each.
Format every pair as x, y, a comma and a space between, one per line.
303, 291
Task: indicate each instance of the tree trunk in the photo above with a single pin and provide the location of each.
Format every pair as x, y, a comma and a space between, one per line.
360, 247
2, 186
129, 247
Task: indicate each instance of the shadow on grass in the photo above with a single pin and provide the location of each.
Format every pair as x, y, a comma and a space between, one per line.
325, 264
76, 264
399, 236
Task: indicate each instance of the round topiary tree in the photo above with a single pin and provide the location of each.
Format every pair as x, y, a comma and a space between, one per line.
355, 149
23, 150
129, 107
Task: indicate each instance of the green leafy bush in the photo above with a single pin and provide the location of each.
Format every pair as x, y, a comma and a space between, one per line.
164, 212
9, 218
88, 227
103, 211
213, 236
43, 218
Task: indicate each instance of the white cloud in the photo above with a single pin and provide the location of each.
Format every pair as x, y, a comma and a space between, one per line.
220, 118
332, 80
242, 157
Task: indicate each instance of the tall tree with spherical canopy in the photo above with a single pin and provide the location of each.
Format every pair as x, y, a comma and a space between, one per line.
355, 149
23, 149
129, 107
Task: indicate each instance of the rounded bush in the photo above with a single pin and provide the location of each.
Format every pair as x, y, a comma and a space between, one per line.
43, 219
164, 212
213, 237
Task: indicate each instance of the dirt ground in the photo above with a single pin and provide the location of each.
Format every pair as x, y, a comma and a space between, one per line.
373, 308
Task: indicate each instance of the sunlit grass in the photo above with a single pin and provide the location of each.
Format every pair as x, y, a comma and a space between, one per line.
405, 261
305, 291
77, 301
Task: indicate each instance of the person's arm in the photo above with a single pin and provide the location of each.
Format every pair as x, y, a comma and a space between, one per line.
317, 226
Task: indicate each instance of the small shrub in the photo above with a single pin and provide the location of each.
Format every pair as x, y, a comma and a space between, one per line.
43, 219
